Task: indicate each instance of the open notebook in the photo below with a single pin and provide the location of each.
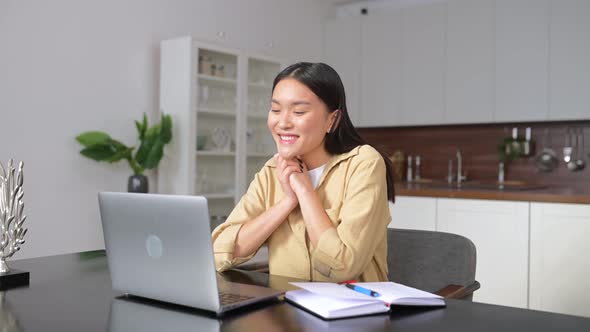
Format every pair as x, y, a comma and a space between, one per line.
329, 300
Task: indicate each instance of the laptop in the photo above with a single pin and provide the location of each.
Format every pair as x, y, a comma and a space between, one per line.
159, 247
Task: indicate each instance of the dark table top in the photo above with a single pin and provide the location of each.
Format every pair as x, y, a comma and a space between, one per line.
73, 293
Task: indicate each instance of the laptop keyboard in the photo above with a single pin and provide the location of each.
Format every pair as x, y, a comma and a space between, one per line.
229, 298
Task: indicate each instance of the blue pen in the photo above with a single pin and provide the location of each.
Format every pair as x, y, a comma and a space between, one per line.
363, 290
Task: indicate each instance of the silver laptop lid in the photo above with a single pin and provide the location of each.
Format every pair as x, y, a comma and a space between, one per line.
159, 247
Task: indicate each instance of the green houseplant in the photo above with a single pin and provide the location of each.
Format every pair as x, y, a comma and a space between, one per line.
100, 146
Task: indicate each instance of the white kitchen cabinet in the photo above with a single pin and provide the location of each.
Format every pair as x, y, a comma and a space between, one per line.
423, 64
470, 61
499, 230
413, 213
522, 60
380, 70
570, 60
559, 264
220, 136
342, 51
465, 61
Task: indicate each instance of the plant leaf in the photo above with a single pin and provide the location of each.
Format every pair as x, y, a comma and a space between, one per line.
166, 129
141, 127
146, 145
118, 146
155, 154
99, 152
144, 125
139, 131
120, 154
90, 138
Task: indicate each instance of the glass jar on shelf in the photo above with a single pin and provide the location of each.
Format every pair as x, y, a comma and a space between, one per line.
203, 95
203, 185
205, 64
220, 71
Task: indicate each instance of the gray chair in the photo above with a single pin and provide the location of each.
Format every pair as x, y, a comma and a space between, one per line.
437, 262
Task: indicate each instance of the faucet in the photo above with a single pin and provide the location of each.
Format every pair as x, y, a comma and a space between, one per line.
460, 176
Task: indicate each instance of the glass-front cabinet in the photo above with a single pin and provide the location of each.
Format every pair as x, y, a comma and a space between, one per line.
259, 142
219, 99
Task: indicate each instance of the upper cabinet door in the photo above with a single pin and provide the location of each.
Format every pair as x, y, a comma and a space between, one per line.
342, 51
522, 59
570, 60
470, 61
423, 64
380, 70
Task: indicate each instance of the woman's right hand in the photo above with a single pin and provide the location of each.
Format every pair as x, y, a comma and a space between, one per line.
286, 167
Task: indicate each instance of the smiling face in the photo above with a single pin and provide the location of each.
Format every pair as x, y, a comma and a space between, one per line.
299, 121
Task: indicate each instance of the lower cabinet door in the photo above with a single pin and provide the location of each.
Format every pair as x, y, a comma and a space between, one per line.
560, 267
413, 213
499, 230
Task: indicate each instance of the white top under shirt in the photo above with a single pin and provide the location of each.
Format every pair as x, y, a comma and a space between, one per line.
315, 174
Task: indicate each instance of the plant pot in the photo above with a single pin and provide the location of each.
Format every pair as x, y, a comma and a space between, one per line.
137, 184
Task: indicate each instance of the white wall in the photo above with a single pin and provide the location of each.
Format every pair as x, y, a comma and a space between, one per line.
68, 66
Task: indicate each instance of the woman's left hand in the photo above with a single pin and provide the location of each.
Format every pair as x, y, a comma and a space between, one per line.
301, 182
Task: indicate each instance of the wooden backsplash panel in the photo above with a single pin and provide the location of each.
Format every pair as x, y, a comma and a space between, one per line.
479, 146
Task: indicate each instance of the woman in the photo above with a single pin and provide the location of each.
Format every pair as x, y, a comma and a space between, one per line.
321, 202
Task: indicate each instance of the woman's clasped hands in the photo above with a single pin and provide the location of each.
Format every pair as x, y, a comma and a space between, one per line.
293, 176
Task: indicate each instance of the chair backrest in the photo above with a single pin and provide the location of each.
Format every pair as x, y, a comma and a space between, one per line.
430, 260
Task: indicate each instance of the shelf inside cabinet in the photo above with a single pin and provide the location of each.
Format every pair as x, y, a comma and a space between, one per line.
215, 112
214, 153
212, 78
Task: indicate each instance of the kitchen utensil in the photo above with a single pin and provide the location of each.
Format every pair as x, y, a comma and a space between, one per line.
572, 165
547, 160
526, 145
567, 149
580, 162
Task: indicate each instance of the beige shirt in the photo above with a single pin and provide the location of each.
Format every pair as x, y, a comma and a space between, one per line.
353, 191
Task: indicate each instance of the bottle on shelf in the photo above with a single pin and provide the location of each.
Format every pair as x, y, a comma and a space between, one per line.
409, 171
417, 170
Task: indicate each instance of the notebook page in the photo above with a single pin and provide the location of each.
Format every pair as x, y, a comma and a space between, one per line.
331, 289
392, 292
330, 307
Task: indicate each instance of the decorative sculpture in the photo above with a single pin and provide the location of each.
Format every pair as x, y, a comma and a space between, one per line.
12, 218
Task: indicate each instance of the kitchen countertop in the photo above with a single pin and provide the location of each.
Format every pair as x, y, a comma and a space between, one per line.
549, 194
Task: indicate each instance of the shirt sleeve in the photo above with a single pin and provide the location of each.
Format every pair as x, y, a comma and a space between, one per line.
224, 236
342, 253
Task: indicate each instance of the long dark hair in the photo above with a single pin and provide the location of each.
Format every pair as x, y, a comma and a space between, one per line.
325, 82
